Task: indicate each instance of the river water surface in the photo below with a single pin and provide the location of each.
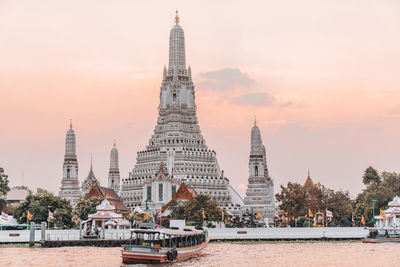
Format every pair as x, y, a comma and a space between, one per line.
322, 254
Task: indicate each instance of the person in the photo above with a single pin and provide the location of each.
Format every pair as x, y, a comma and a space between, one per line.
93, 230
96, 230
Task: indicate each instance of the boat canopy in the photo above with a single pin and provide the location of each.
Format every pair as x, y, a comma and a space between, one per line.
182, 231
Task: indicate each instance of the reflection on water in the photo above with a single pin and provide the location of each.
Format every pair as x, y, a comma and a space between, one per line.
222, 254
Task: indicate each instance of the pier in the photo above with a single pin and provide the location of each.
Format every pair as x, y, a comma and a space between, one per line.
118, 237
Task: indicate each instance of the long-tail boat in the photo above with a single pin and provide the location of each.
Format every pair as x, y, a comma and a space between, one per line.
165, 245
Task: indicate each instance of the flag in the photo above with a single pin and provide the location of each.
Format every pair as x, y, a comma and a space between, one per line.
204, 214
4, 216
383, 214
158, 215
146, 215
51, 216
363, 220
29, 216
310, 213
258, 215
329, 214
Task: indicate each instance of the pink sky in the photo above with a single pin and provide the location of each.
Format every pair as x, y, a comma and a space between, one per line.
323, 78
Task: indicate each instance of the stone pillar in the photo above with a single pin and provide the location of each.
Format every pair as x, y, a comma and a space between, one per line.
80, 229
32, 235
43, 233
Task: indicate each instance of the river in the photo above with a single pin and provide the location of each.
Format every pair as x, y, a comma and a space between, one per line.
340, 254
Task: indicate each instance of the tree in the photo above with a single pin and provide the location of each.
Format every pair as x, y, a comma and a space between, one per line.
195, 206
39, 206
371, 176
3, 188
292, 199
295, 200
382, 190
84, 207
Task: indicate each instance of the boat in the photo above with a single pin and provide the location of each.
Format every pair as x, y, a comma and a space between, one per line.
383, 235
165, 244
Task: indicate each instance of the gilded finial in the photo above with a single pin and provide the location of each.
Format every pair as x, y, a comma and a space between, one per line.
177, 17
115, 143
70, 123
308, 172
255, 120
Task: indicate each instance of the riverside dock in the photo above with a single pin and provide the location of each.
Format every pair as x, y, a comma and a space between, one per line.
118, 237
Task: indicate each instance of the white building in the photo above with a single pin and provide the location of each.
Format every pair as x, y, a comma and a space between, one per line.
392, 215
70, 184
260, 188
113, 174
178, 143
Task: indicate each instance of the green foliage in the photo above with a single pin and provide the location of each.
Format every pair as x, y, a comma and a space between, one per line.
84, 207
40, 204
296, 200
383, 191
3, 188
192, 210
292, 199
371, 176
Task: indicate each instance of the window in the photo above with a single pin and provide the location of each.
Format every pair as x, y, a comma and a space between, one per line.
173, 189
149, 193
68, 173
256, 171
160, 192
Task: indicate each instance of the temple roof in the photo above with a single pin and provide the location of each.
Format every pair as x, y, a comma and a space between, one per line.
184, 193
395, 202
309, 182
109, 194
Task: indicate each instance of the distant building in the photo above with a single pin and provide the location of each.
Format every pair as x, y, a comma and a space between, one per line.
260, 188
110, 195
183, 194
391, 216
106, 217
89, 181
17, 195
113, 174
69, 189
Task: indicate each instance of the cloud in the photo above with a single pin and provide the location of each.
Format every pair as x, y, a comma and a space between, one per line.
254, 99
225, 79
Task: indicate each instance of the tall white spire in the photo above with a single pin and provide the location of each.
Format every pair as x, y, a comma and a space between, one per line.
177, 47
113, 174
70, 182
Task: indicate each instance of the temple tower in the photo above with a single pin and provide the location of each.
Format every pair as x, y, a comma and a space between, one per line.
113, 174
90, 180
260, 188
177, 140
70, 183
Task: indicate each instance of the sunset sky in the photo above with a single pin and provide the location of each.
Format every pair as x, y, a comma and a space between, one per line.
322, 77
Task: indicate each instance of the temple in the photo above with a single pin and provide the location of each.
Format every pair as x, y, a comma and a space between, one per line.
177, 144
260, 188
70, 183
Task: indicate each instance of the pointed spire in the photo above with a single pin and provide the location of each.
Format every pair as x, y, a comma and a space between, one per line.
308, 175
91, 162
177, 17
255, 120
190, 73
70, 123
115, 144
165, 73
